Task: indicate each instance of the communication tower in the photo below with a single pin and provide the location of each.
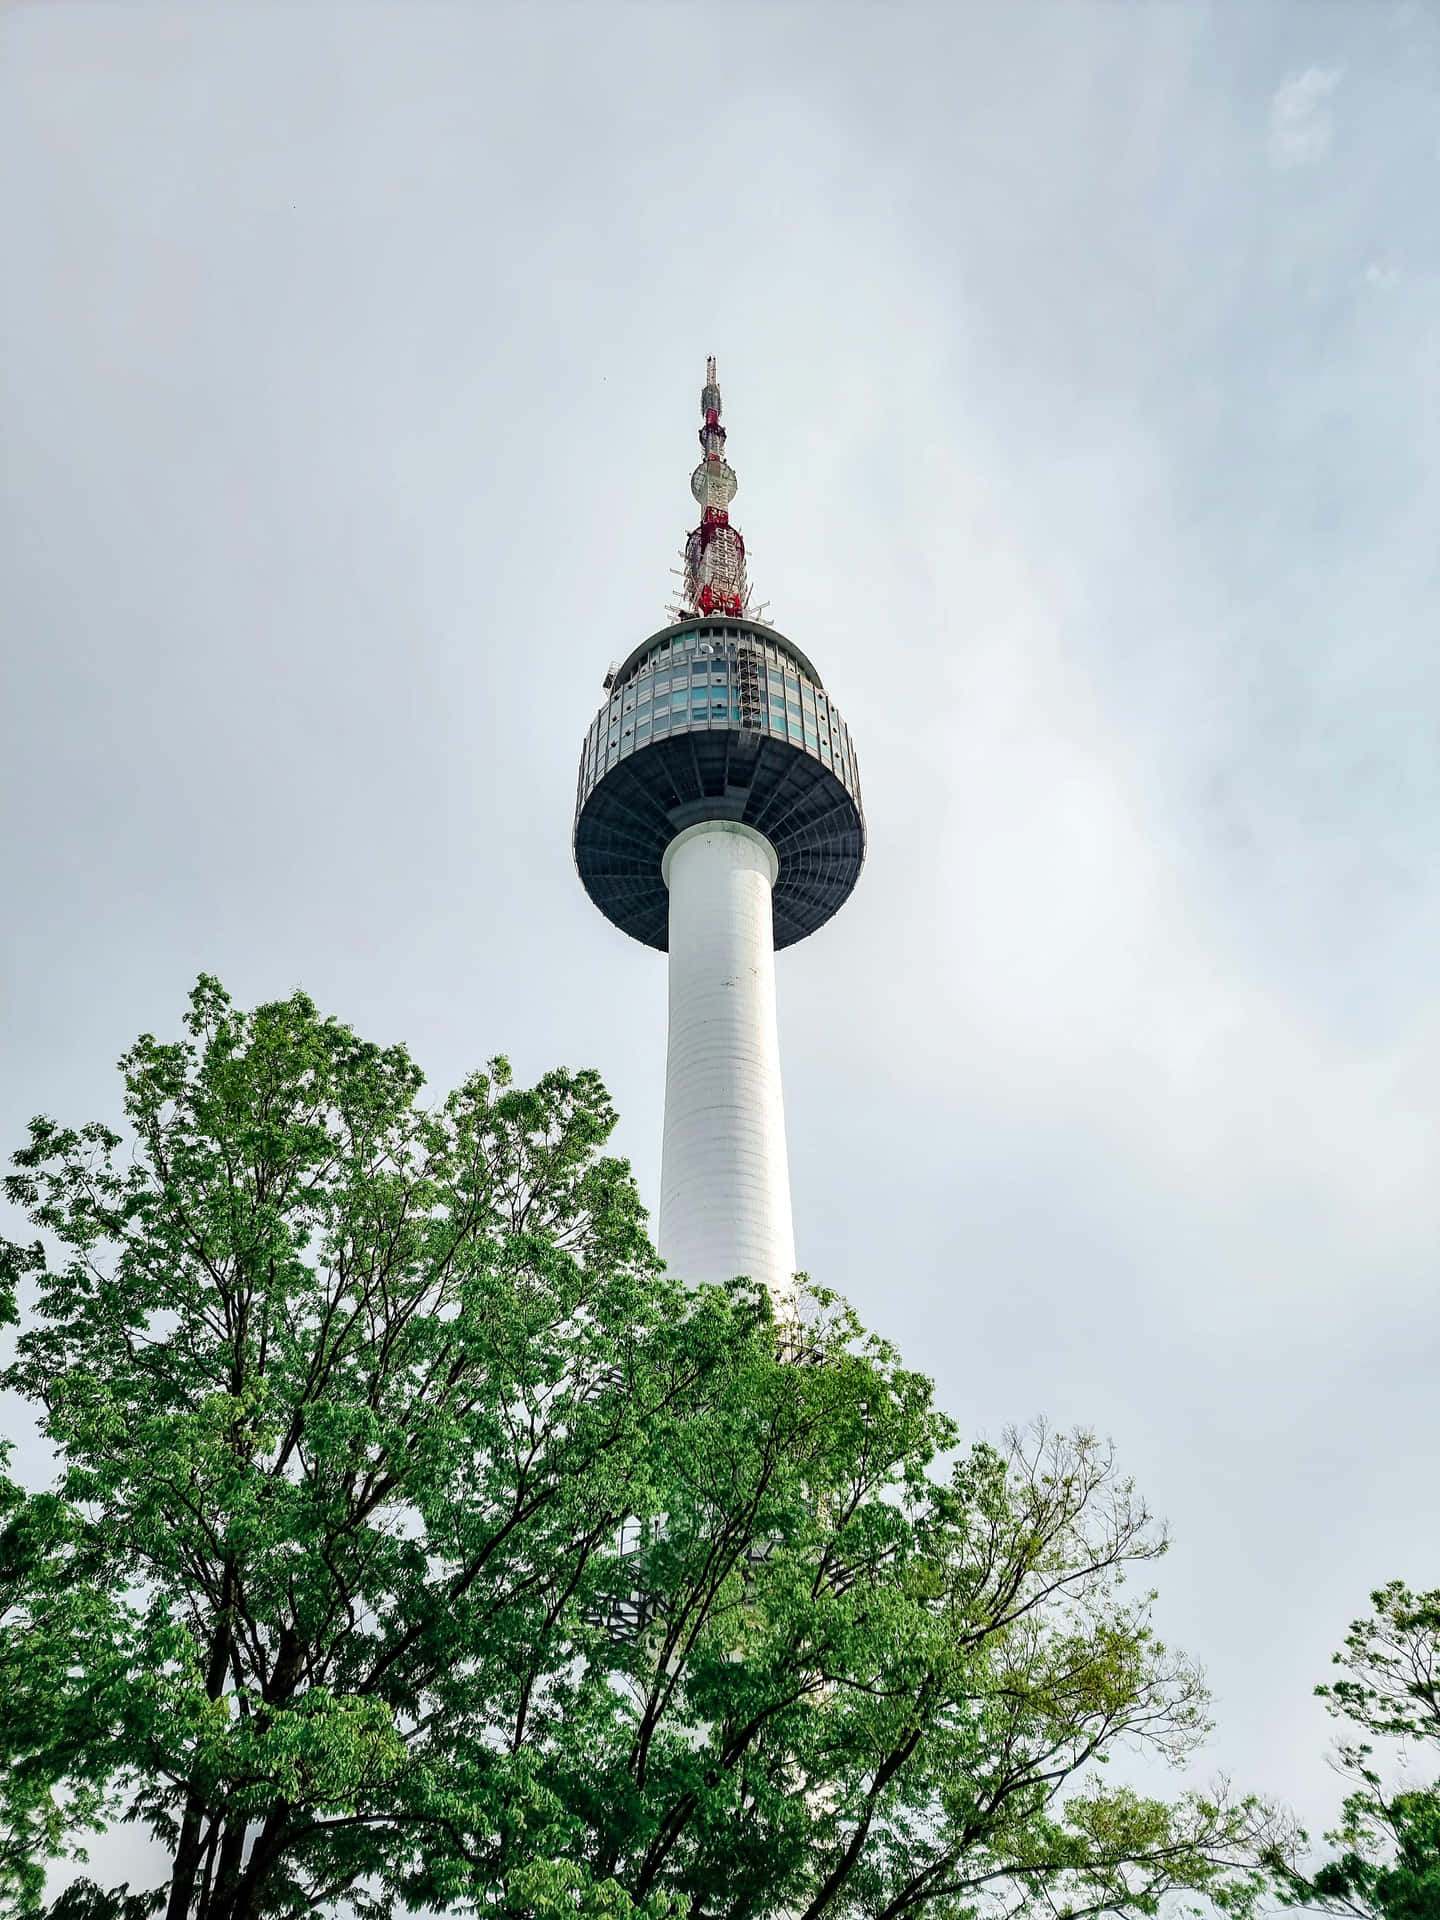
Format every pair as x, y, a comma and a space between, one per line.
718, 818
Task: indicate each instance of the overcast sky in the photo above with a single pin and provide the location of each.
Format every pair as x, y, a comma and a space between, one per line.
1082, 373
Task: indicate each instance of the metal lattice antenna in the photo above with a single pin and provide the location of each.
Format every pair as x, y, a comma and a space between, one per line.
714, 577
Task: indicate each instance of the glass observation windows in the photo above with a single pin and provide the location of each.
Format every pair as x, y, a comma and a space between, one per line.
712, 680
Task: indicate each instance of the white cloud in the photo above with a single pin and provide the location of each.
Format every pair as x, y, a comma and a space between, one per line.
1300, 122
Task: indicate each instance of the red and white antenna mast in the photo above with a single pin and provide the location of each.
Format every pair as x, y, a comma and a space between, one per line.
714, 576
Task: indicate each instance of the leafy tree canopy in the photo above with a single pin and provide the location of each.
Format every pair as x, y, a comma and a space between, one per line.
419, 1541
1387, 1866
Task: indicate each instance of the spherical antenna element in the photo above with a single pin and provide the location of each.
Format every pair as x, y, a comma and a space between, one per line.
713, 483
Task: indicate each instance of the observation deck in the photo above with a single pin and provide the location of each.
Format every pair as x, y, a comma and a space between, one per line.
718, 718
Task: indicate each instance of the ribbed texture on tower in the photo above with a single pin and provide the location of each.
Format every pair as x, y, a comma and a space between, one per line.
725, 1173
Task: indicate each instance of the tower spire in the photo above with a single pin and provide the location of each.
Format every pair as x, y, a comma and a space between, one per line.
715, 579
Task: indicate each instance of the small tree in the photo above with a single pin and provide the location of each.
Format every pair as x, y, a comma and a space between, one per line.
1388, 1863
434, 1546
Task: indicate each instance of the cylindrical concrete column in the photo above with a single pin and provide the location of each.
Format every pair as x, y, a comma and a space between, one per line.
725, 1174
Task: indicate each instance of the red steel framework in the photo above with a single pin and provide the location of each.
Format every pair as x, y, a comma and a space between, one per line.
714, 576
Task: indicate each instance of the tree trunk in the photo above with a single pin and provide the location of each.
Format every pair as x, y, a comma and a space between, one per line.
187, 1859
227, 1867
238, 1890
188, 1849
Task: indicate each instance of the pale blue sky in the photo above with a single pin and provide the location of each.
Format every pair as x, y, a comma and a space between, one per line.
1080, 365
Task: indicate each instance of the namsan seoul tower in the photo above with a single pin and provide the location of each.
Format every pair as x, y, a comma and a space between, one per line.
718, 817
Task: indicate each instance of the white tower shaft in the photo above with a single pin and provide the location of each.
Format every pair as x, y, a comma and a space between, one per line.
725, 1173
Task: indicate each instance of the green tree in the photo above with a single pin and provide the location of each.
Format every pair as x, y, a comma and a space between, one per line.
437, 1548
1387, 1866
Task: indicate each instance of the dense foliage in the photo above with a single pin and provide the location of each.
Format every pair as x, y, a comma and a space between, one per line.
418, 1540
1387, 1866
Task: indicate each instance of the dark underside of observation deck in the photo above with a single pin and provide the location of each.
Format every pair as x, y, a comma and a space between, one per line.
801, 807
